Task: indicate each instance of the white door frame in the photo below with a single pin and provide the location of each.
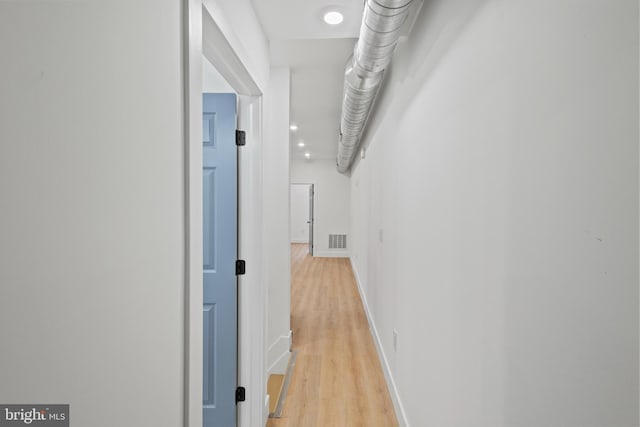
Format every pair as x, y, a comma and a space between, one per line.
315, 190
251, 310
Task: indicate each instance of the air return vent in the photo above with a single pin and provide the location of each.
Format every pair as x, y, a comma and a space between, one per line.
337, 241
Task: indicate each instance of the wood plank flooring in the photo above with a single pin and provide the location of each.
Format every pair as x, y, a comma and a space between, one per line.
337, 380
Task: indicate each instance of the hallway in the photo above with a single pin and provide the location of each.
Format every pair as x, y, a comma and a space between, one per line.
337, 380
487, 229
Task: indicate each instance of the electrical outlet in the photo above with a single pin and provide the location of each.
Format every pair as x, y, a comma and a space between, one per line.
395, 340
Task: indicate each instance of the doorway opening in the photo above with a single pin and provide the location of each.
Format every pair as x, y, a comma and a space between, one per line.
205, 38
302, 214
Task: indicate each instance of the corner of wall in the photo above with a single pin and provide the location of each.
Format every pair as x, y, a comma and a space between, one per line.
265, 411
278, 355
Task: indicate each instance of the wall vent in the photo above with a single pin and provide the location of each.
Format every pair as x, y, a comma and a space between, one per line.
337, 241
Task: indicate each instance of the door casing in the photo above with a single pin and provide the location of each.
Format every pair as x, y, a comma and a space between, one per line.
202, 36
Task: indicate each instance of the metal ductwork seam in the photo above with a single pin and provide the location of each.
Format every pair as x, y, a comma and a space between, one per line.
379, 34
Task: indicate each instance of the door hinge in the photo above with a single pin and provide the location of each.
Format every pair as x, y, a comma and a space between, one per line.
241, 267
240, 394
241, 137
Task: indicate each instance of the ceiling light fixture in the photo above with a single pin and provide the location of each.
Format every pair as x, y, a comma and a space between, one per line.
307, 155
300, 144
333, 17
293, 128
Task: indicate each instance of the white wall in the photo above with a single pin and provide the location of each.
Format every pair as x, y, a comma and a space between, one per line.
332, 207
239, 23
495, 217
93, 232
276, 219
212, 81
300, 213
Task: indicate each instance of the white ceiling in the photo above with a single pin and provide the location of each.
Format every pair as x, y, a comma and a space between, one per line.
317, 54
302, 19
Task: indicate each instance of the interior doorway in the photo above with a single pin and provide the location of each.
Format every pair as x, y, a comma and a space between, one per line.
209, 37
302, 214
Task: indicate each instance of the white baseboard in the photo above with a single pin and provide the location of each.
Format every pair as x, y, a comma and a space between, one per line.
265, 411
331, 254
391, 385
300, 241
278, 355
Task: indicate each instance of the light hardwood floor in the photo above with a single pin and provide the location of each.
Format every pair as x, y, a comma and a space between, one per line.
337, 380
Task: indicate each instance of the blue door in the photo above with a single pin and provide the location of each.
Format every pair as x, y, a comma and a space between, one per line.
220, 243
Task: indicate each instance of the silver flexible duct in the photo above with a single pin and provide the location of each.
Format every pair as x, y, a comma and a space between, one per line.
379, 33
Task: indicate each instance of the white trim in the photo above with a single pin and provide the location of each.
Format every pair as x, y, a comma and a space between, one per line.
252, 292
391, 385
278, 355
246, 45
306, 241
332, 254
265, 410
193, 212
221, 54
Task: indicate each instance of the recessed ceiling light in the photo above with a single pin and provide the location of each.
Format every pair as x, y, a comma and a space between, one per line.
333, 17
300, 144
307, 155
293, 127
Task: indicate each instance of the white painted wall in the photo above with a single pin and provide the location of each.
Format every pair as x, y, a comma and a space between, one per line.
332, 192
212, 81
276, 219
92, 221
239, 23
495, 217
300, 213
